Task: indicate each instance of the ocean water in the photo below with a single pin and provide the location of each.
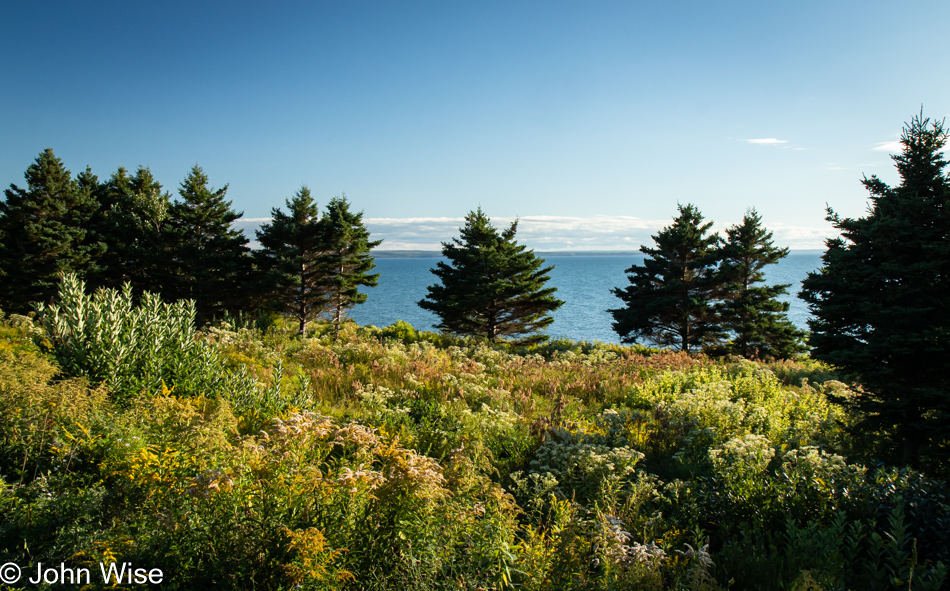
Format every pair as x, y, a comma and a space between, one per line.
583, 282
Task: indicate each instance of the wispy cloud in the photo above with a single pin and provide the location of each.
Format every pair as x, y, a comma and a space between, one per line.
766, 141
893, 146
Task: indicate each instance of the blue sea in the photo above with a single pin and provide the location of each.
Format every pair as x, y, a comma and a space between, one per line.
583, 282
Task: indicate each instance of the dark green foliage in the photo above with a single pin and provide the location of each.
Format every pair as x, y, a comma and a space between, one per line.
292, 258
670, 297
491, 286
43, 232
926, 503
347, 258
132, 223
881, 301
751, 311
834, 553
209, 259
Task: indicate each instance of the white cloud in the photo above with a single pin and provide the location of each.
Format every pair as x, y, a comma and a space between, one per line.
801, 237
418, 221
893, 146
766, 141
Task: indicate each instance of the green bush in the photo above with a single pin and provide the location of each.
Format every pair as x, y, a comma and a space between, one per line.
130, 348
400, 331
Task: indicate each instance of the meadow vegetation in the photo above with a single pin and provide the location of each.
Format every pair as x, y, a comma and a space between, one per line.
247, 456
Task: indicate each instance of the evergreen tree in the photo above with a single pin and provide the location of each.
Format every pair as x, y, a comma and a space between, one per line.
757, 320
210, 261
492, 286
131, 222
347, 258
881, 301
292, 258
670, 297
43, 232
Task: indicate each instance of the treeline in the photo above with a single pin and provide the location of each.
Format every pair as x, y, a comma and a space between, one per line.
694, 291
126, 229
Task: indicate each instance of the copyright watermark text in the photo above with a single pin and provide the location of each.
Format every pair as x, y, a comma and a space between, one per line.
119, 573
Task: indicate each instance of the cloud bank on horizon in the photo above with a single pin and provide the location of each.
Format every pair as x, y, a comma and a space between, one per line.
555, 233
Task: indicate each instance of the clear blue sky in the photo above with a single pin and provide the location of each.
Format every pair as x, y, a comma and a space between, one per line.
587, 118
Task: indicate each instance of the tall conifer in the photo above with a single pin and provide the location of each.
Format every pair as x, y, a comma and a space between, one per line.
43, 232
670, 297
881, 301
293, 256
131, 222
751, 311
491, 286
210, 260
347, 257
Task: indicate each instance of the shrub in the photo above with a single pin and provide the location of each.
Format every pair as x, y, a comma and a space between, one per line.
45, 424
400, 331
130, 348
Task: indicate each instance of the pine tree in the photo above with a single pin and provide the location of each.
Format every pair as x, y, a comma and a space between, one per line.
881, 301
347, 258
43, 232
491, 286
670, 297
210, 261
757, 320
292, 258
131, 222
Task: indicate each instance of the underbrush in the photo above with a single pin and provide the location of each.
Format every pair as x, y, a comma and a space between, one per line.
396, 459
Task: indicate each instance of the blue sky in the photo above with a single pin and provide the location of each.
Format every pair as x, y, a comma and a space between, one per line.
589, 121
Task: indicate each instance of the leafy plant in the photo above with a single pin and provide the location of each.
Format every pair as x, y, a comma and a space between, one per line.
128, 347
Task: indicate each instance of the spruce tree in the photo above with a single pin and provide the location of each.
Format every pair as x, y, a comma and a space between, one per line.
43, 232
347, 257
293, 259
881, 301
131, 222
757, 320
491, 286
210, 260
670, 298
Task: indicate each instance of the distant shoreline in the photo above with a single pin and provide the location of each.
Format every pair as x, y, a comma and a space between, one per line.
435, 254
